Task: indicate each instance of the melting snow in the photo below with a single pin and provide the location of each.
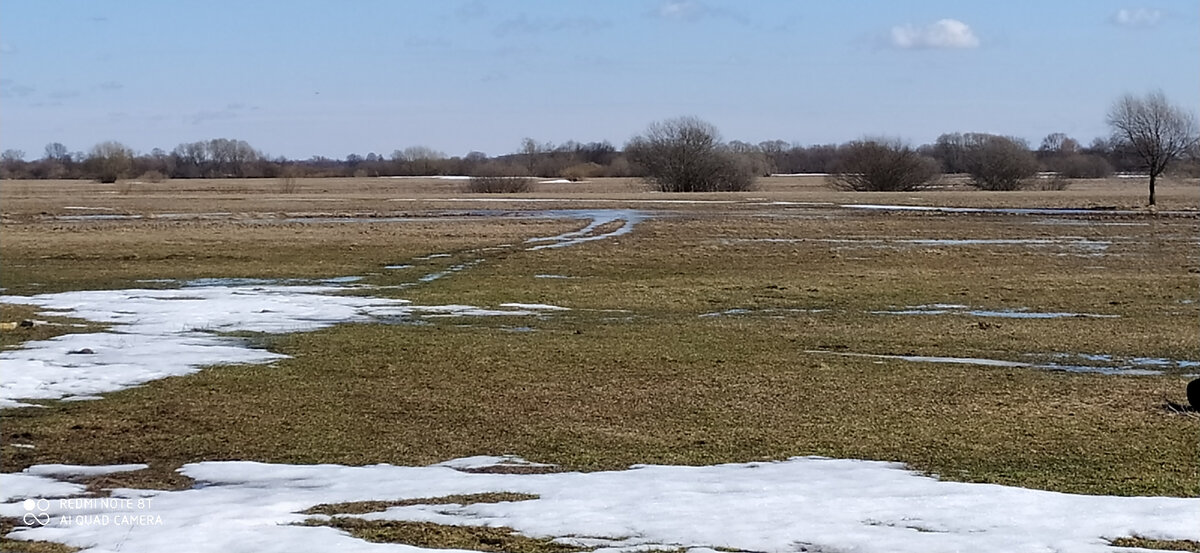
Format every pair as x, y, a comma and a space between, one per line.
805, 503
955, 309
161, 333
534, 306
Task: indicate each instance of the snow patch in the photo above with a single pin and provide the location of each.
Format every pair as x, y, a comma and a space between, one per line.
804, 503
535, 306
160, 333
82, 470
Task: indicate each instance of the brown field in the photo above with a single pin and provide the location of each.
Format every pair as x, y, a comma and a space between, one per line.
634, 373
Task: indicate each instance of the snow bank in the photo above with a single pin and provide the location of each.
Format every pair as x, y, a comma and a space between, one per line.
807, 503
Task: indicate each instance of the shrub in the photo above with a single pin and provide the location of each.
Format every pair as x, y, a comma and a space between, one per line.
582, 171
999, 162
882, 165
685, 155
1080, 166
496, 178
153, 176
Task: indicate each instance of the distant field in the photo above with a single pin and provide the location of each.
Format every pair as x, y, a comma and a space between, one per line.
722, 328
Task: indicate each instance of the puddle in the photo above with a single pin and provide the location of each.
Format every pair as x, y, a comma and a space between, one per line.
449, 270
396, 267
1093, 247
1137, 366
1017, 313
599, 217
553, 276
1009, 211
773, 311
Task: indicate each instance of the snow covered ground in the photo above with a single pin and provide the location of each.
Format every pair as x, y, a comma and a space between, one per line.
161, 333
802, 504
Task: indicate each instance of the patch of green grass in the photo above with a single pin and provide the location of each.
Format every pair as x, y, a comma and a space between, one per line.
1162, 545
46, 327
363, 507
9, 545
441, 536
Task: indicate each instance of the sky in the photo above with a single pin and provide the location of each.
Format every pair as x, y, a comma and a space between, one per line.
302, 78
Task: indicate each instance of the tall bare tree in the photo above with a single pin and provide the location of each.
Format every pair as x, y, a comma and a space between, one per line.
1157, 132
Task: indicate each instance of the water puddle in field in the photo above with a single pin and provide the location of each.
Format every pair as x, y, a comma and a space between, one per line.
1010, 211
1015, 313
1063, 362
1081, 246
599, 218
770, 312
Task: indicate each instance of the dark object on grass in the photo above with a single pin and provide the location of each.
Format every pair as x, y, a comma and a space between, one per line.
84, 351
1193, 393
26, 324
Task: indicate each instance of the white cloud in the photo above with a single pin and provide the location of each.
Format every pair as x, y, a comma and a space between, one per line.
681, 9
694, 10
946, 33
1137, 17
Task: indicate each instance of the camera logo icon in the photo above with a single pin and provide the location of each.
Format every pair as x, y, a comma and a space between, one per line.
35, 512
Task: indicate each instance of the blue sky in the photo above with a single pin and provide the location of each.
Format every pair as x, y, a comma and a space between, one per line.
304, 77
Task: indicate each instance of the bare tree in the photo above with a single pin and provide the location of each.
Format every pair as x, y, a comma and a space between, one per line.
421, 160
686, 155
56, 151
882, 164
1157, 132
109, 161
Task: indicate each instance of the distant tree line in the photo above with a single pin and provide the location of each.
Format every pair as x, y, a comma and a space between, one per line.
683, 154
227, 158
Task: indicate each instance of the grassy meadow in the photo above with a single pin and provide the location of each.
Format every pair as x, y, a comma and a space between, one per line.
715, 332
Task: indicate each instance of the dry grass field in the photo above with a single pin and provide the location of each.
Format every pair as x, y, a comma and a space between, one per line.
724, 328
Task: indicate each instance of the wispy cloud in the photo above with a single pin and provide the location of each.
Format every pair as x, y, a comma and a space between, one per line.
110, 86
942, 34
12, 89
63, 94
475, 9
522, 24
6, 48
230, 111
1138, 18
695, 10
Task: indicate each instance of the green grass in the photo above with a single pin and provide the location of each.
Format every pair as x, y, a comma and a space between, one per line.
595, 388
441, 536
1162, 545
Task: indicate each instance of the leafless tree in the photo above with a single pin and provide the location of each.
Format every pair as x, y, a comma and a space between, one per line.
686, 155
57, 151
1157, 132
109, 161
882, 164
